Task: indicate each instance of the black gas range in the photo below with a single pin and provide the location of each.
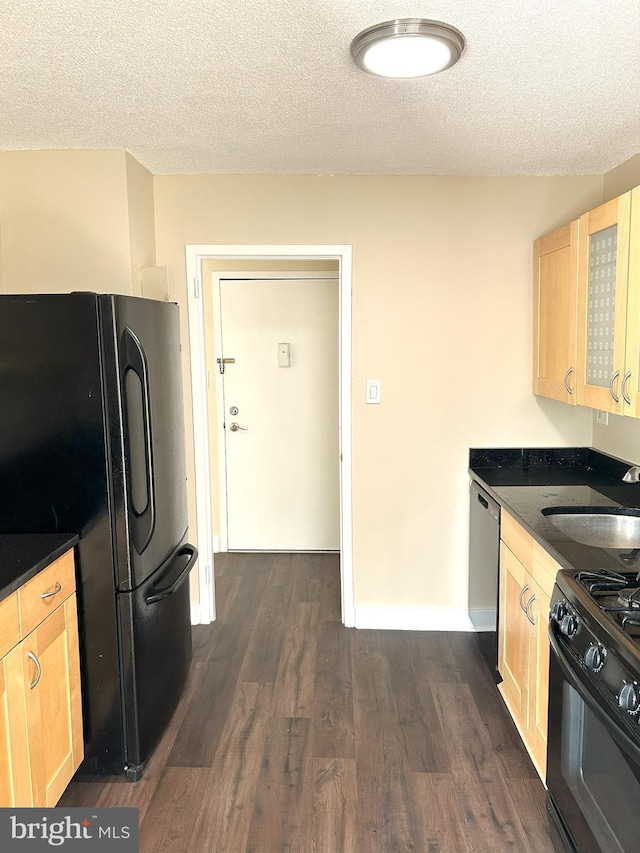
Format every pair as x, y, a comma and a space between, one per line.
593, 772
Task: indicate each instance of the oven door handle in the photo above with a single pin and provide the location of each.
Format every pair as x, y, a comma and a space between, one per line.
577, 680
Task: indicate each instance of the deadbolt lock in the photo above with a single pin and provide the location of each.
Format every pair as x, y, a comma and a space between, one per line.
233, 410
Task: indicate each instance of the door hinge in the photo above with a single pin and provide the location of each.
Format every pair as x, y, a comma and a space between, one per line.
196, 288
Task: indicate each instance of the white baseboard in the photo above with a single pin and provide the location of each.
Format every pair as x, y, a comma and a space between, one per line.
412, 619
216, 544
483, 620
195, 613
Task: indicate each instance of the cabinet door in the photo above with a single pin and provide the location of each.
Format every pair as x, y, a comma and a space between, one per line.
538, 687
513, 637
630, 388
555, 313
603, 266
15, 779
54, 722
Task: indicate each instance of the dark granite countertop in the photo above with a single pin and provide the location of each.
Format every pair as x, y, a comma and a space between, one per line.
526, 481
23, 555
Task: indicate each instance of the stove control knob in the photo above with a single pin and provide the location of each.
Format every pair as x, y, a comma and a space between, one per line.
558, 611
569, 625
629, 699
595, 657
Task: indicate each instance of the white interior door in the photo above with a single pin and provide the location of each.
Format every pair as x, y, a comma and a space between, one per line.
280, 396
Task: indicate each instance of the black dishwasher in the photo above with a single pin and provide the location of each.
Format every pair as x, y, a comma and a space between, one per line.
484, 559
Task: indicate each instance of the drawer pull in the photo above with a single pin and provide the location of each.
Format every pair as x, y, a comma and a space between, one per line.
625, 379
614, 376
57, 589
38, 669
522, 592
568, 387
528, 612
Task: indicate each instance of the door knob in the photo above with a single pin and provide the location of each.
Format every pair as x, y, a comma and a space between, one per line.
234, 427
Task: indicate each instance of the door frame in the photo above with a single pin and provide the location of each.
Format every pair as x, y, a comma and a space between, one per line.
216, 278
195, 255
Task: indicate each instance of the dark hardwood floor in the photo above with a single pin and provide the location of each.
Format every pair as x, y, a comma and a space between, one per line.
297, 735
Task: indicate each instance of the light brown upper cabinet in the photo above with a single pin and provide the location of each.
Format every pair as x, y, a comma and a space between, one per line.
604, 375
555, 314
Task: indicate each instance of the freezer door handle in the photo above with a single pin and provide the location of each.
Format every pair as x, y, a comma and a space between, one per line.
142, 498
157, 593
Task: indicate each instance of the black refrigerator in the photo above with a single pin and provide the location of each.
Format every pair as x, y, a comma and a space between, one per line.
92, 442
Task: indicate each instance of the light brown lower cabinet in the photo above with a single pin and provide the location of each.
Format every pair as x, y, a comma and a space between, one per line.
526, 580
15, 781
41, 743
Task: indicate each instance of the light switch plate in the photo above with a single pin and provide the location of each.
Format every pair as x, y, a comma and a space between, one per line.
284, 355
373, 391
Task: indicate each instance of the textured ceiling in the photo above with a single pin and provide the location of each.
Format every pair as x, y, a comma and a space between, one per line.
237, 86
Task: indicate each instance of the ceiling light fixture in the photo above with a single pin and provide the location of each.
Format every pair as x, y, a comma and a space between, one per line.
407, 47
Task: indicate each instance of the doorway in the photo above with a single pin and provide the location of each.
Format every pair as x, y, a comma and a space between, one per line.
273, 395
195, 256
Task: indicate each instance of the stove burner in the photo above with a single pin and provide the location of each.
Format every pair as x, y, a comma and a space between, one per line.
617, 595
630, 598
602, 582
630, 624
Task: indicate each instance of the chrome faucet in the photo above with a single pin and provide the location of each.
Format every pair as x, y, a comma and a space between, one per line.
632, 475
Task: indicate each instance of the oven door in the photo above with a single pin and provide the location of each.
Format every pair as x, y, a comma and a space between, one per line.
593, 765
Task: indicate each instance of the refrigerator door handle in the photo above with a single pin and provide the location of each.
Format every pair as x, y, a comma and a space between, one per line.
143, 520
156, 593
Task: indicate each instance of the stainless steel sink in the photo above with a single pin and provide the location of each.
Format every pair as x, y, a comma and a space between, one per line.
601, 527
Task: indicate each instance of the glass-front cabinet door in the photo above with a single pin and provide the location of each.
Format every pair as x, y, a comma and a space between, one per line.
603, 272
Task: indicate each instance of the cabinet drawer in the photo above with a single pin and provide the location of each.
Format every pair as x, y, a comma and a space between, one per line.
9, 624
43, 593
545, 569
518, 540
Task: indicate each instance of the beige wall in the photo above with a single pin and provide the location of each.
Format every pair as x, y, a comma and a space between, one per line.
620, 438
65, 223
624, 177
442, 314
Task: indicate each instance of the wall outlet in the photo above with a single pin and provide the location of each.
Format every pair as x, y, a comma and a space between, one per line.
602, 417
